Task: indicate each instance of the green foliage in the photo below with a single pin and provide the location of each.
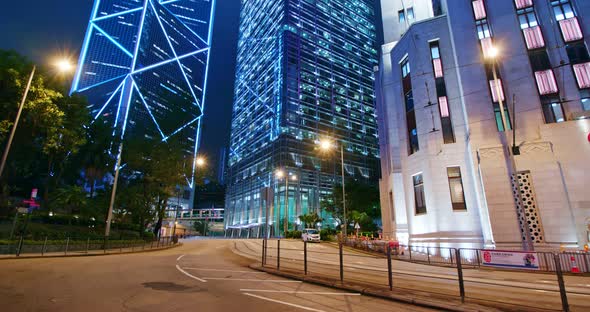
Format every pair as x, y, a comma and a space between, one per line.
327, 234
310, 220
201, 226
362, 198
294, 234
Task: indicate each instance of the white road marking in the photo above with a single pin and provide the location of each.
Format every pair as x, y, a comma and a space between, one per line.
190, 275
220, 270
249, 280
180, 257
301, 292
285, 303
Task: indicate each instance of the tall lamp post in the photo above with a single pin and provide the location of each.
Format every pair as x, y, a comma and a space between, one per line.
280, 174
493, 55
327, 145
62, 66
199, 162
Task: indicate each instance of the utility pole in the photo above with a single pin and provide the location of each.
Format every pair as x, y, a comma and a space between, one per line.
18, 114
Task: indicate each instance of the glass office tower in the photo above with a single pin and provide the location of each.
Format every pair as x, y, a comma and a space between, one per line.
143, 68
304, 73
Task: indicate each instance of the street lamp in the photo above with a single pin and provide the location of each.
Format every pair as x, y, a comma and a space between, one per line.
280, 174
199, 162
327, 145
62, 66
493, 55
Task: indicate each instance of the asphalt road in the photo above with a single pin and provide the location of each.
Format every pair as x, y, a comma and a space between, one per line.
509, 287
199, 276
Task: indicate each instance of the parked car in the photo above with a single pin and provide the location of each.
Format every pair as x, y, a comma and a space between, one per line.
310, 235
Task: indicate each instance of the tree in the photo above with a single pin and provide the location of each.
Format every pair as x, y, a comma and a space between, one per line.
310, 220
361, 197
70, 199
95, 156
139, 200
201, 226
162, 166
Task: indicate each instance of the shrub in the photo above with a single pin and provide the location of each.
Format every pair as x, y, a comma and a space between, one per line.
294, 234
327, 234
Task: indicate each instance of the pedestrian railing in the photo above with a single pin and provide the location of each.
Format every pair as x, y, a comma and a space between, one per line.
458, 267
48, 247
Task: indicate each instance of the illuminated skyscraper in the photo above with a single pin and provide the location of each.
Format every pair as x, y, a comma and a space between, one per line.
304, 72
143, 68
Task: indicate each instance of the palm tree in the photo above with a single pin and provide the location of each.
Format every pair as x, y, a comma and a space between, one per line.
310, 219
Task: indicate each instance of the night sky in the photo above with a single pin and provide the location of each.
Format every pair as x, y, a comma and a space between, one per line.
41, 29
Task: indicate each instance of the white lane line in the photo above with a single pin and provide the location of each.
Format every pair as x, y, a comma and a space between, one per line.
189, 275
249, 280
285, 303
220, 270
178, 259
301, 292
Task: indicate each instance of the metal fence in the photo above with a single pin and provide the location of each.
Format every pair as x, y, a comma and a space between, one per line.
469, 257
21, 247
378, 268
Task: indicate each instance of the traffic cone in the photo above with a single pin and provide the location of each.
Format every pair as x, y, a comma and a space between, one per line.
574, 265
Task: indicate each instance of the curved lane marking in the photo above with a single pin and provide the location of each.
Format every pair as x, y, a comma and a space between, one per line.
180, 257
190, 275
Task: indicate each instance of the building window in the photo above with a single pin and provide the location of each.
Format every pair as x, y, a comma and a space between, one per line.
444, 106
494, 88
546, 82
410, 12
582, 72
437, 7
498, 115
402, 16
413, 144
479, 9
456, 188
586, 104
553, 112
436, 60
483, 29
570, 28
420, 200
562, 9
520, 4
534, 38
486, 47
527, 18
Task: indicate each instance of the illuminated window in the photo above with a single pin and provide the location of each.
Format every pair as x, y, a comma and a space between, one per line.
419, 198
486, 47
402, 16
546, 82
436, 60
410, 12
562, 9
444, 106
520, 4
570, 28
494, 88
479, 9
582, 72
456, 188
534, 38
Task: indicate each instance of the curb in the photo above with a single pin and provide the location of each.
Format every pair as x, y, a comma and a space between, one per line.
90, 255
434, 303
